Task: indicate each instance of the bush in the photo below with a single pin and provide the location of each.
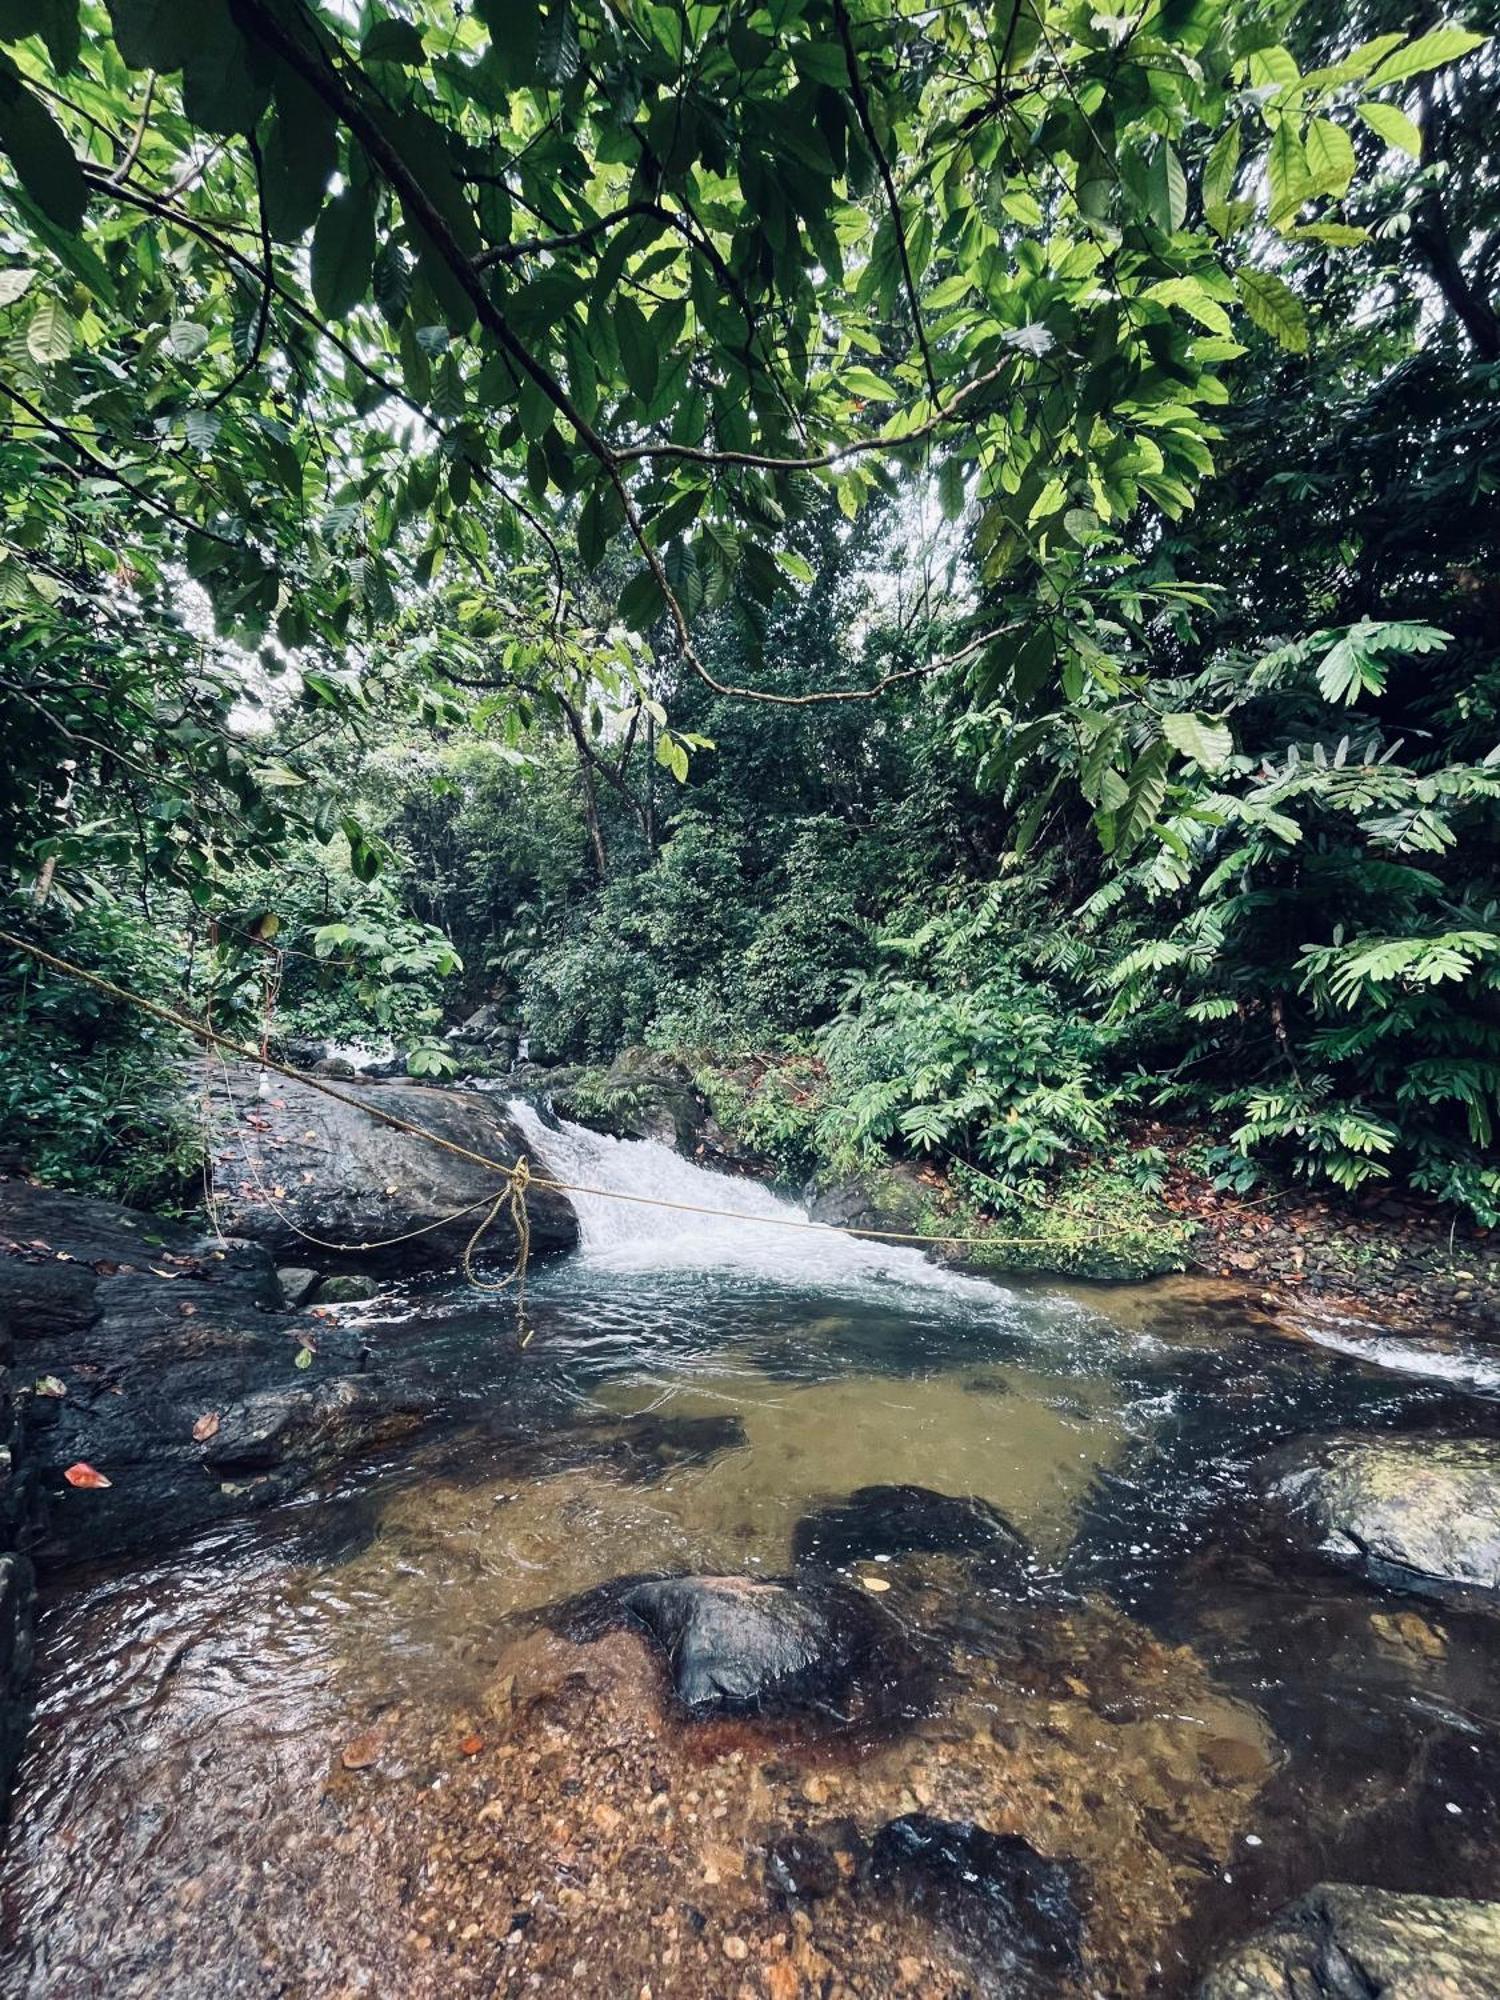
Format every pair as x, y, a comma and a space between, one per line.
92, 1092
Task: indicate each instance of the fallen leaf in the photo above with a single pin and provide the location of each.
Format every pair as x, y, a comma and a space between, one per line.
360, 1754
877, 1584
470, 1746
206, 1427
303, 1357
85, 1475
50, 1385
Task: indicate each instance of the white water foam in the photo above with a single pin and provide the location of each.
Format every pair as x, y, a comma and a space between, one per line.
1404, 1357
752, 1240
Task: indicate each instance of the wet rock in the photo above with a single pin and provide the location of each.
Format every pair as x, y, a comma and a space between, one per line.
1418, 1512
313, 1426
346, 1288
900, 1520
1343, 1943
994, 1889
176, 1356
642, 1096
738, 1644
298, 1283
301, 1161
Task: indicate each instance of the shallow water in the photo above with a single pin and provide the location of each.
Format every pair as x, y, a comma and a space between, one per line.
332, 1752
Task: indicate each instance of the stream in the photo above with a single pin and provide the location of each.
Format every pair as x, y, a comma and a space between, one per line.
344, 1748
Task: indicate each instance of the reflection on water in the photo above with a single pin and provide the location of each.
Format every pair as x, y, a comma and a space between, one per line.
331, 1753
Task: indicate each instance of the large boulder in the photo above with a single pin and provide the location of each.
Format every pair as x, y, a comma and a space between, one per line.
299, 1163
642, 1095
1003, 1899
1418, 1512
168, 1364
739, 1644
885, 1521
1343, 1943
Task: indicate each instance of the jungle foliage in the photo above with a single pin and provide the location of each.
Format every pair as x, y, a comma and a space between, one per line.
953, 550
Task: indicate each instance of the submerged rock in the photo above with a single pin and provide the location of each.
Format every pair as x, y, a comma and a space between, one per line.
310, 1426
1419, 1512
1343, 1943
993, 1888
299, 1161
739, 1644
901, 1520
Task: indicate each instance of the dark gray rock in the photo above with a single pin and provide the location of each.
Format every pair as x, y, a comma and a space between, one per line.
737, 1644
178, 1361
311, 1426
298, 1283
994, 1889
901, 1520
642, 1096
1343, 1943
1417, 1512
301, 1161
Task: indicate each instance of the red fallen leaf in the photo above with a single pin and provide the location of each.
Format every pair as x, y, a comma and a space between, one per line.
360, 1754
206, 1427
471, 1746
85, 1475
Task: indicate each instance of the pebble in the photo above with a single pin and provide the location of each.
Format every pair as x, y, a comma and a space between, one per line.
735, 1948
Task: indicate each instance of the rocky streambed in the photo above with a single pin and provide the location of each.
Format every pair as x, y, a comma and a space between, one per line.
818, 1622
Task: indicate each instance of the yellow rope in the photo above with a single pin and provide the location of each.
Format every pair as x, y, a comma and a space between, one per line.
517, 1175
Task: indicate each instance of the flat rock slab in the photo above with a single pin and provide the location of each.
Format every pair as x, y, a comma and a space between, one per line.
903, 1520
1409, 1511
1343, 1943
300, 1161
1001, 1897
738, 1645
179, 1370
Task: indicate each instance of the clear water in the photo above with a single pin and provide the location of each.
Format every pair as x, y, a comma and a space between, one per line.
333, 1752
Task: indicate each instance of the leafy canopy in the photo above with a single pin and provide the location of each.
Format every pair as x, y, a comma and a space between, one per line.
313, 304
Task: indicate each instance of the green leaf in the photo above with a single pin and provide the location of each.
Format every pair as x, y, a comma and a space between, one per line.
1207, 743
187, 339
641, 601
343, 252
1288, 180
1166, 188
638, 351
865, 384
49, 335
1274, 307
303, 1358
1330, 156
393, 42
154, 34
1429, 51
226, 81
13, 285
301, 153
1393, 125
40, 152
1218, 179
951, 488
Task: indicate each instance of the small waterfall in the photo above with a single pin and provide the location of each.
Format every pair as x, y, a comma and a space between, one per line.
753, 1240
